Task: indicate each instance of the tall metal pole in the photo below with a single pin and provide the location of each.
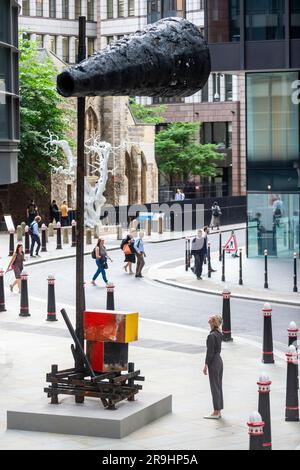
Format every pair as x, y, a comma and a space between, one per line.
79, 365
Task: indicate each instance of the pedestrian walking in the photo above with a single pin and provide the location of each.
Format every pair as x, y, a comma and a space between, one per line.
214, 365
16, 264
205, 236
198, 251
54, 212
140, 254
64, 214
35, 236
100, 255
215, 216
127, 246
32, 211
179, 195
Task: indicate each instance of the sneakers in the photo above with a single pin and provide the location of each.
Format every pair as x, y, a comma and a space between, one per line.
93, 283
199, 278
212, 417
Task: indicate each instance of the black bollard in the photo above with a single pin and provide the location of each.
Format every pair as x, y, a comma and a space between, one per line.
84, 304
189, 252
268, 356
220, 246
2, 296
295, 288
266, 284
223, 265
24, 306
208, 260
44, 240
58, 236
241, 267
292, 402
27, 241
110, 302
186, 255
256, 431
11, 243
51, 310
264, 409
293, 339
226, 325
73, 233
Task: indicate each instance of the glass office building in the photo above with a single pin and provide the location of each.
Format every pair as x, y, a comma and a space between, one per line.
9, 86
262, 38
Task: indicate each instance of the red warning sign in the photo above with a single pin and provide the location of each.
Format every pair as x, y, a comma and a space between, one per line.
231, 245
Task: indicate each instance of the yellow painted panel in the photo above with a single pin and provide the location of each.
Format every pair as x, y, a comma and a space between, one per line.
131, 327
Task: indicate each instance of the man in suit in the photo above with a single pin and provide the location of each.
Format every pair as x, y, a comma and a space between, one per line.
198, 251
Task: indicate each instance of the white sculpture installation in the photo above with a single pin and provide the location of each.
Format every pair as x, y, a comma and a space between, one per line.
93, 195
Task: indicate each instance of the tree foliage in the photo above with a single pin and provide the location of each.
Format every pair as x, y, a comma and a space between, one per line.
145, 114
41, 111
178, 153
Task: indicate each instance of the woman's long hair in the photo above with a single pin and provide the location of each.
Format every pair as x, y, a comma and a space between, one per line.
17, 248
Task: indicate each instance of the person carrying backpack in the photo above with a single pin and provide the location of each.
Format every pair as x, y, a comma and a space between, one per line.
215, 216
127, 246
100, 255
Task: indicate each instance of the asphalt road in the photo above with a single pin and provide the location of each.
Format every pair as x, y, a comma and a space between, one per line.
157, 301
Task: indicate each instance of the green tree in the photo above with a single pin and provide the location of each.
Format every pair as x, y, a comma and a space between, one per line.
41, 111
145, 114
178, 153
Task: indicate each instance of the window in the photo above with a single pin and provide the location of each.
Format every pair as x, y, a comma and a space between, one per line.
131, 7
52, 8
173, 8
295, 19
121, 8
165, 100
39, 40
110, 9
65, 9
218, 133
153, 10
109, 39
228, 88
223, 20
52, 44
77, 8
65, 48
264, 19
39, 8
4, 116
76, 50
26, 8
91, 46
90, 10
5, 69
4, 22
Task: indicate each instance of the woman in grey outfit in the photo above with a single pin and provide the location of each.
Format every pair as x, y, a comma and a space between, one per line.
214, 365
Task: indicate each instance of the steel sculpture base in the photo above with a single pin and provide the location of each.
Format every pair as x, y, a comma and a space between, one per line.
90, 419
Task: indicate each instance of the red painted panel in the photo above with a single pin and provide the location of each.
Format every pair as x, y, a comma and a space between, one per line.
95, 354
102, 326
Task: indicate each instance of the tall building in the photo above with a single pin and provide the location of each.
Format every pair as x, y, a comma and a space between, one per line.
9, 93
54, 25
217, 106
262, 38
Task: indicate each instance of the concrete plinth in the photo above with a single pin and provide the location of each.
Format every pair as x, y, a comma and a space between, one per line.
90, 418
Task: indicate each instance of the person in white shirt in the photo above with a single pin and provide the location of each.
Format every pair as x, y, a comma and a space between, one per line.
140, 253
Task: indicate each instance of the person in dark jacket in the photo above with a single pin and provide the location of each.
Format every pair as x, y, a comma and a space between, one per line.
214, 365
54, 212
198, 248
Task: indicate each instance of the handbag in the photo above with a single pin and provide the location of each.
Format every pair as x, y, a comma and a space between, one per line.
127, 250
105, 265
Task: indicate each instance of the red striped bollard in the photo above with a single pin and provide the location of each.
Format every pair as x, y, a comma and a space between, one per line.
44, 241
51, 307
24, 306
2, 296
268, 356
110, 302
264, 408
58, 236
293, 340
27, 241
226, 325
11, 242
256, 431
292, 402
73, 233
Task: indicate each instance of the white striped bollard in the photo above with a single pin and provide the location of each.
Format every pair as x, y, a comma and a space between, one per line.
268, 355
58, 236
73, 233
255, 431
264, 388
292, 401
226, 325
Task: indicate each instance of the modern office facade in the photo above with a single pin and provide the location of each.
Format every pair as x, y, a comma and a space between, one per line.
9, 90
54, 25
262, 38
